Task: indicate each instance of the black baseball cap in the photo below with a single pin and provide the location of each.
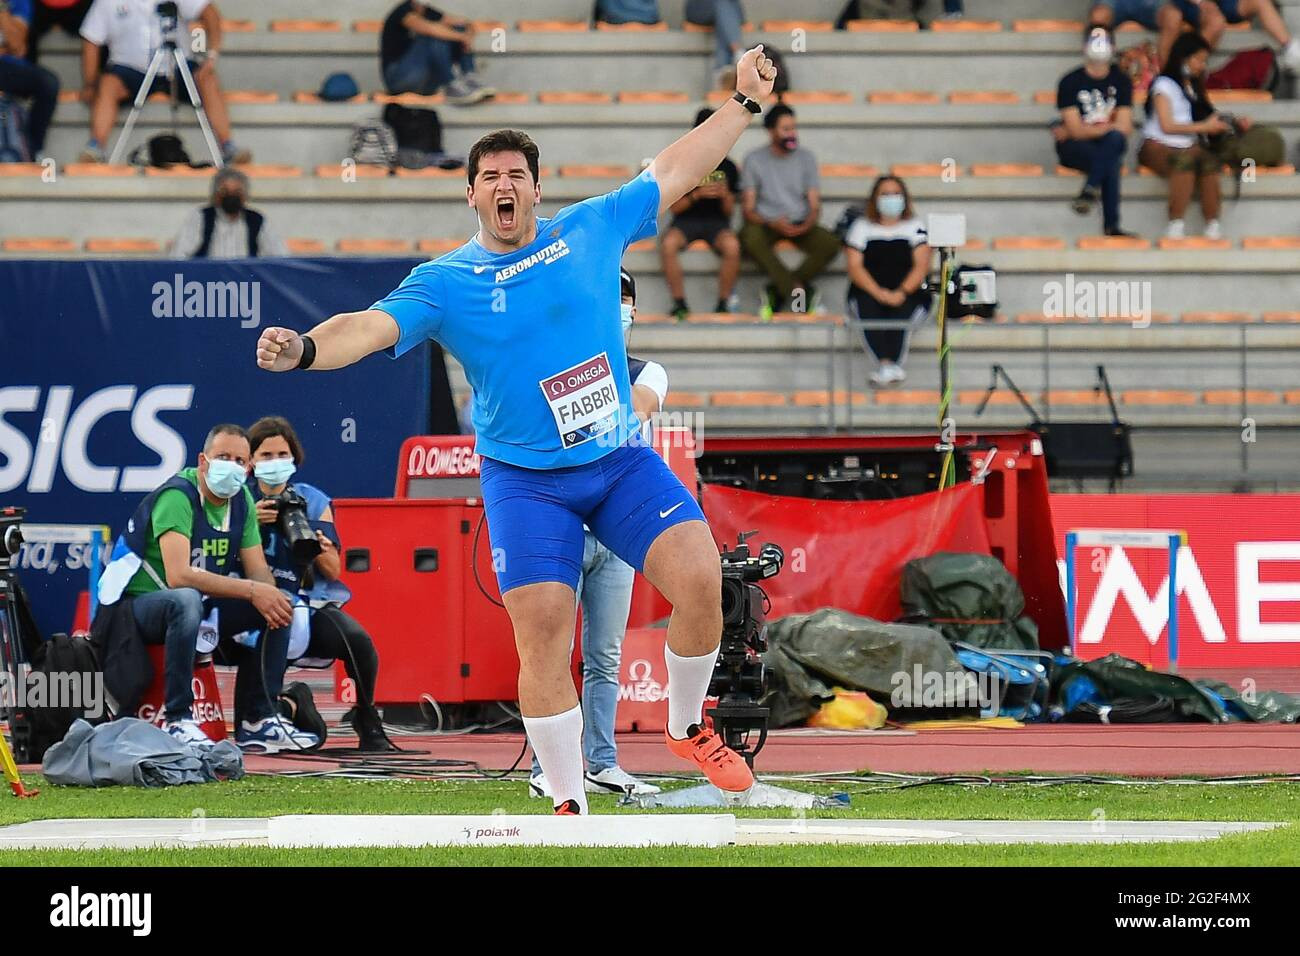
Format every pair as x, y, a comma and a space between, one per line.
627, 285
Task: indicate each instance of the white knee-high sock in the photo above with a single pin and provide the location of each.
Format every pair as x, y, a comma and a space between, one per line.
688, 682
557, 741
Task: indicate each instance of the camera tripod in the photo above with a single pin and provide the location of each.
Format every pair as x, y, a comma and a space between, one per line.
11, 657
168, 58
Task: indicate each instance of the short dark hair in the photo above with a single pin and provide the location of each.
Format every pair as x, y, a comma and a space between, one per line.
774, 115
503, 141
272, 426
224, 429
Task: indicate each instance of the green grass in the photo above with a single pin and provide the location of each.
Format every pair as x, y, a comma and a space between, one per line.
269, 796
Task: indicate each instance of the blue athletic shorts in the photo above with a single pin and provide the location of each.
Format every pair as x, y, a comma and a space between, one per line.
134, 79
535, 517
1192, 13
1140, 11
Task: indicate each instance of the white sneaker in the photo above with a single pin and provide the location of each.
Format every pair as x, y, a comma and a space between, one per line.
1290, 56
538, 787
617, 780
187, 731
271, 735
1176, 229
1213, 230
895, 373
889, 373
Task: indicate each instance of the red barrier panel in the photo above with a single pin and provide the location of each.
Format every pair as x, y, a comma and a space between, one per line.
848, 554
207, 698
1238, 578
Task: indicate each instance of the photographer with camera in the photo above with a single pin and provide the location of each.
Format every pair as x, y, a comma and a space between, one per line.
302, 549
192, 548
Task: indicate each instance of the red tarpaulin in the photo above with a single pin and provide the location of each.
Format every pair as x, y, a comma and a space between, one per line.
847, 554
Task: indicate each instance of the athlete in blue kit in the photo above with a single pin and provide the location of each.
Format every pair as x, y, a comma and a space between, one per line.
530, 308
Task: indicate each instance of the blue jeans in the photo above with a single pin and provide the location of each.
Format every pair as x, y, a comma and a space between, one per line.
605, 591
726, 18
261, 667
427, 66
171, 618
36, 83
1101, 160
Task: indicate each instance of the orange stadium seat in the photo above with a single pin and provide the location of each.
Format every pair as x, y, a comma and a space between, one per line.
552, 26
595, 171
574, 97
902, 97
817, 398
360, 170
817, 97
789, 26
1159, 396
367, 26
270, 170
643, 245
21, 169
983, 97
1028, 242
428, 172
1284, 170
305, 247
1037, 318
660, 27
1006, 169
883, 26
922, 170
684, 399
1291, 396
99, 169
1285, 317
1271, 242
238, 26
688, 27
252, 96
1194, 242
306, 26
1075, 396
653, 96
376, 246
310, 96
1232, 396
1242, 96
974, 396
410, 99
1048, 26
123, 244
1045, 97
1113, 242
179, 172
907, 396
849, 170
438, 246
37, 244
748, 399
1222, 317
966, 26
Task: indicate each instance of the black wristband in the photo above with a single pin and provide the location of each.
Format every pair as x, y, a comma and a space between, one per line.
752, 105
308, 352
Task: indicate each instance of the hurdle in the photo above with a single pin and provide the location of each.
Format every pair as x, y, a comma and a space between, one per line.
1124, 538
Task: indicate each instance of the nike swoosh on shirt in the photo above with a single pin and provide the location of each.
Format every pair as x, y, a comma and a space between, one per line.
665, 514
479, 269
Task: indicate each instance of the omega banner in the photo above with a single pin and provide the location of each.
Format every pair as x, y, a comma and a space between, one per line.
1238, 579
114, 370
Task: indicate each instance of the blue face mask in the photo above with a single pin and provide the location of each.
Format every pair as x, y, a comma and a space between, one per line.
891, 205
225, 478
625, 311
275, 472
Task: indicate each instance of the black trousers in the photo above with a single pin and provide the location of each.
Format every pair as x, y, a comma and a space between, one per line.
337, 635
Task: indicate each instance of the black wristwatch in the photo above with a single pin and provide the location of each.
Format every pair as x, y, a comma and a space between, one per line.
751, 105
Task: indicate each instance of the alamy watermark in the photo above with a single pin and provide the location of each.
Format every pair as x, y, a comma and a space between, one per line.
920, 687
179, 299
76, 690
1085, 299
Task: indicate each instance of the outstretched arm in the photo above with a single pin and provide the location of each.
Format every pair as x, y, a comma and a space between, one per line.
681, 166
340, 340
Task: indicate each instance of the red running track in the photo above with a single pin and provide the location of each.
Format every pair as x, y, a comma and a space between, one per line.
1160, 751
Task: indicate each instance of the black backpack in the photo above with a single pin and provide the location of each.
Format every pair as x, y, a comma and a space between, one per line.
415, 129
46, 726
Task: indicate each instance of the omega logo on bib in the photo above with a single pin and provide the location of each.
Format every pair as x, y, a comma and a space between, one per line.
583, 400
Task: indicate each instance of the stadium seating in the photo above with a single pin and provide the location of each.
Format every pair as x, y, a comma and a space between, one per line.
960, 110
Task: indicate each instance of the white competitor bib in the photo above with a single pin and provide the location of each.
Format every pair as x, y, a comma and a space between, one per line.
583, 400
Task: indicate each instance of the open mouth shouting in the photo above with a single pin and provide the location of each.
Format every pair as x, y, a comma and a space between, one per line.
506, 213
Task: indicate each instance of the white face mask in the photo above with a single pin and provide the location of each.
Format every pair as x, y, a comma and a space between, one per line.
275, 471
891, 205
625, 311
225, 478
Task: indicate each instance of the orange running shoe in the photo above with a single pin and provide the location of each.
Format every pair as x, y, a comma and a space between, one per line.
725, 768
569, 808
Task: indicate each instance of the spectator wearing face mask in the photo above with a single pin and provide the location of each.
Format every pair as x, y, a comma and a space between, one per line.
781, 199
227, 228
1096, 106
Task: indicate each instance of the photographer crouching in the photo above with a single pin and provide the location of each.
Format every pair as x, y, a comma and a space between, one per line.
302, 550
192, 548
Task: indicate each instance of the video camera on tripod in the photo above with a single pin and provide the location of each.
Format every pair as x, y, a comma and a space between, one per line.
739, 678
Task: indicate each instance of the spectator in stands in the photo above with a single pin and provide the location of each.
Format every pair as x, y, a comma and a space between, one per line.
1212, 17
888, 264
226, 228
1096, 106
605, 591
781, 199
704, 213
22, 79
48, 14
1178, 112
129, 29
1161, 16
423, 50
193, 547
627, 11
727, 18
325, 633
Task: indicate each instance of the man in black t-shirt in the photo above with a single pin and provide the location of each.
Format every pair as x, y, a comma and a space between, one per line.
1096, 105
422, 50
704, 213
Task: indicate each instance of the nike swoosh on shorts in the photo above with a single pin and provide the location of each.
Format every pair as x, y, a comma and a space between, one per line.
665, 514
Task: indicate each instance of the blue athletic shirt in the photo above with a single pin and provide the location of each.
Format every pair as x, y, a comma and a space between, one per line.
538, 330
